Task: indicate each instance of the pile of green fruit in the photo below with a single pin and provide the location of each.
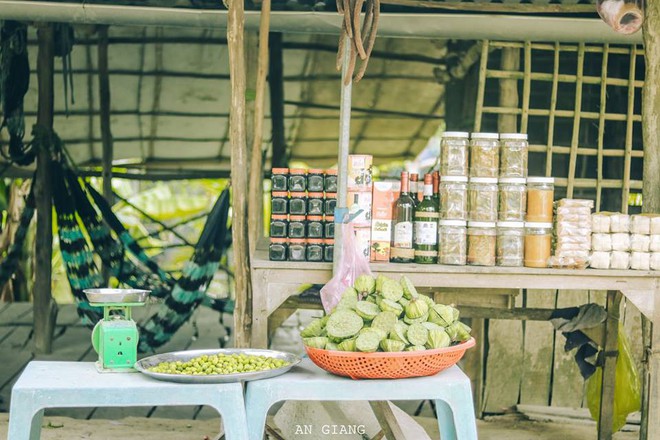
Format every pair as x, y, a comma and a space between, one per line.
220, 364
385, 315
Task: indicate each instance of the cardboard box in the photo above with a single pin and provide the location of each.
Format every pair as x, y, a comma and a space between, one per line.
385, 195
363, 236
359, 172
360, 200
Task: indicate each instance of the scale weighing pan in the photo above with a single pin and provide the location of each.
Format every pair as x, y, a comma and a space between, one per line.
117, 296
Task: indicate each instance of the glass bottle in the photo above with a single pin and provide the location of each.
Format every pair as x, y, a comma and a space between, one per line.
436, 189
404, 209
426, 226
414, 177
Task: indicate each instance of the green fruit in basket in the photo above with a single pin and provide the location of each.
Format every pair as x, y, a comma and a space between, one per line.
432, 326
419, 320
416, 308
324, 320
347, 345
331, 346
380, 332
403, 301
392, 345
385, 321
367, 310
441, 314
409, 290
380, 280
458, 332
344, 323
398, 333
371, 298
387, 305
391, 290
365, 285
428, 300
417, 334
317, 342
455, 312
415, 348
438, 339
368, 341
314, 328
348, 299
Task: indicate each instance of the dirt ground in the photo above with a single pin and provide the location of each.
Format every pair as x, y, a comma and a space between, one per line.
509, 427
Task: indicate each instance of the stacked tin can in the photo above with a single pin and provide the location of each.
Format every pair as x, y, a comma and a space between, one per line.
302, 214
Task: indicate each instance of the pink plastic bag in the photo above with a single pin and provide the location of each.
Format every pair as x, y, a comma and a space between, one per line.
353, 263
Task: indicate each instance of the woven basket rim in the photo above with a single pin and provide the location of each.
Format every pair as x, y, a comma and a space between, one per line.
393, 354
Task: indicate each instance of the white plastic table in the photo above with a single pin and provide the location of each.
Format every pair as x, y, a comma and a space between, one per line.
78, 384
450, 389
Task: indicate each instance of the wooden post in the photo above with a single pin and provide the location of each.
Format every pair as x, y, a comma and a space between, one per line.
255, 202
104, 97
651, 201
45, 309
239, 166
609, 365
509, 90
276, 86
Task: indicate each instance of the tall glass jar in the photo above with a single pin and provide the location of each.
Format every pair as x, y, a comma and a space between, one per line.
484, 155
297, 179
540, 195
453, 197
315, 226
315, 180
482, 199
297, 249
298, 203
278, 249
280, 179
315, 203
538, 244
513, 199
297, 226
514, 151
279, 225
454, 153
482, 238
452, 242
314, 251
510, 243
279, 202
330, 181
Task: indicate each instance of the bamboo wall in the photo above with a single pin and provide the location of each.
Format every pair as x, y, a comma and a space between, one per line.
581, 106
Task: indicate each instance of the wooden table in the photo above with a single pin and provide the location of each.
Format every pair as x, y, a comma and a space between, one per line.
275, 282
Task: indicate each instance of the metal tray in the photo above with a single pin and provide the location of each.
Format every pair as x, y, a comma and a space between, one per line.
144, 364
116, 295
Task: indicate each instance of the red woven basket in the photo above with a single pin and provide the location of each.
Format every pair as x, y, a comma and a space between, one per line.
388, 365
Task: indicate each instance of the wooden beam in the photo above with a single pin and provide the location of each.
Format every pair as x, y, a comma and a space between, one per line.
610, 354
239, 164
45, 309
104, 98
513, 8
651, 110
255, 202
276, 86
509, 90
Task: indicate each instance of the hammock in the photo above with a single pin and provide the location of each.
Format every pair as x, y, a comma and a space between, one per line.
14, 255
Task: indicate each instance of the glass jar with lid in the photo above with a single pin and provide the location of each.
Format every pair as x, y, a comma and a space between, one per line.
298, 203
329, 227
279, 202
514, 150
297, 249
452, 242
315, 180
297, 179
538, 244
482, 238
510, 243
278, 249
330, 203
315, 203
484, 155
454, 153
482, 199
453, 197
330, 181
314, 251
328, 249
513, 199
279, 179
279, 225
315, 226
297, 226
540, 195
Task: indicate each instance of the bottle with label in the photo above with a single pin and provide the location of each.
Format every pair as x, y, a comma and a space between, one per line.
436, 189
426, 226
414, 177
402, 250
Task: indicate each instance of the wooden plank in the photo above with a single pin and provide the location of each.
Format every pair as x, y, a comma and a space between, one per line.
20, 312
627, 159
45, 309
473, 363
601, 124
239, 163
567, 383
524, 120
509, 90
481, 88
651, 116
553, 110
575, 139
18, 345
539, 341
503, 364
67, 315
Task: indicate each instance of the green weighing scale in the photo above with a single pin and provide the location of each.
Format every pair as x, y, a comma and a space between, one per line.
115, 337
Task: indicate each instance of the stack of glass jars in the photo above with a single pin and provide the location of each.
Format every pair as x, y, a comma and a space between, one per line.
302, 214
